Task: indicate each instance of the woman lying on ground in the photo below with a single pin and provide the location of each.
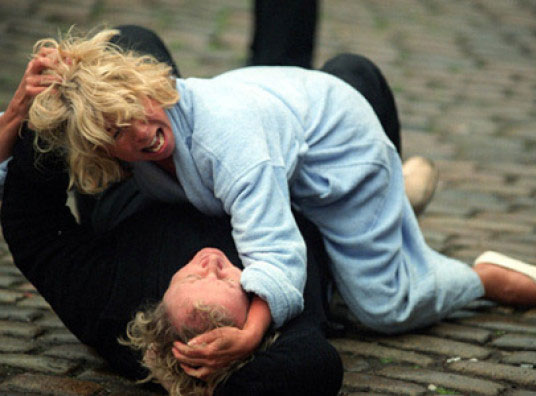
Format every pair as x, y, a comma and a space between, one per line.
96, 283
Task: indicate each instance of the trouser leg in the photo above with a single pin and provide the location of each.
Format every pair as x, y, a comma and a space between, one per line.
284, 32
367, 78
144, 41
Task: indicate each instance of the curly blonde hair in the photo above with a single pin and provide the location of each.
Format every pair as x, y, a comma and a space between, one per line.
152, 333
100, 87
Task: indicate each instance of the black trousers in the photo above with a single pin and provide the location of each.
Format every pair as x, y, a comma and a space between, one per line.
284, 32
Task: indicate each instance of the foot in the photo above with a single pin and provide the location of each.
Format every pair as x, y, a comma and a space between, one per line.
420, 180
506, 286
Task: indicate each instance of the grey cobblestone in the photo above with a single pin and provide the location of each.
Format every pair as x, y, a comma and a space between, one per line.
496, 371
516, 341
381, 352
440, 346
520, 358
451, 381
465, 84
37, 363
18, 314
15, 345
49, 385
367, 382
19, 329
460, 333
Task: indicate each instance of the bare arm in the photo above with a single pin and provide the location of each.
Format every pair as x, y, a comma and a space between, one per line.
32, 83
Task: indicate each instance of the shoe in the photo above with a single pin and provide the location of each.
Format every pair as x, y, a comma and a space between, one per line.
501, 260
420, 180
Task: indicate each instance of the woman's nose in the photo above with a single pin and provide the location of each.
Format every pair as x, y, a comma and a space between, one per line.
212, 264
141, 131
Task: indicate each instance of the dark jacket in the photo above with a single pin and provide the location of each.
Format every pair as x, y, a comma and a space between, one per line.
95, 283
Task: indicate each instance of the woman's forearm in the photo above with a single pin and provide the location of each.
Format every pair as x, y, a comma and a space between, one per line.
10, 124
258, 320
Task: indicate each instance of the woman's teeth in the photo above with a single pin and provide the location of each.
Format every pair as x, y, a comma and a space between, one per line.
156, 144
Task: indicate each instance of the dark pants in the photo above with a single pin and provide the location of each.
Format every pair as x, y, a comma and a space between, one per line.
284, 32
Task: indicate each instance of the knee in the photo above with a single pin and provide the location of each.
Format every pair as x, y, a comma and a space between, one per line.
352, 63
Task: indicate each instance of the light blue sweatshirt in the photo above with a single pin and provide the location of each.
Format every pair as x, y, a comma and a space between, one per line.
254, 141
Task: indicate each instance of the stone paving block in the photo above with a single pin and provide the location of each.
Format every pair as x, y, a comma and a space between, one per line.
15, 345
19, 314
471, 200
101, 376
496, 371
50, 385
35, 301
10, 297
440, 346
7, 266
75, 352
460, 383
516, 341
520, 358
374, 383
364, 394
58, 336
353, 363
521, 392
7, 280
530, 315
500, 323
39, 363
19, 329
461, 333
381, 352
134, 390
27, 287
50, 320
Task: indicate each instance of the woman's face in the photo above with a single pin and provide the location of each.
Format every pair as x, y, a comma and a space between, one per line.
145, 140
209, 278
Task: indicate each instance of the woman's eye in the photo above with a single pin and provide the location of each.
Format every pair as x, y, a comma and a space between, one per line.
117, 132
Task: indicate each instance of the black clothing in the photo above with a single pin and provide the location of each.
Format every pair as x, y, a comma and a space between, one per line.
284, 32
366, 78
95, 283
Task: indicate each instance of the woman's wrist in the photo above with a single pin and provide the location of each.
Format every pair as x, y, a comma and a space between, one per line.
258, 321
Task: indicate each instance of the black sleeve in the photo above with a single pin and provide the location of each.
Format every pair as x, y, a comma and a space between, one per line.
69, 267
300, 362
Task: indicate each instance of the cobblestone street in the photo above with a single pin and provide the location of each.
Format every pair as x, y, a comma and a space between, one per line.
464, 78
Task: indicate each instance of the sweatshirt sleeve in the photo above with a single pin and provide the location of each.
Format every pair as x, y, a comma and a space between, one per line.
267, 237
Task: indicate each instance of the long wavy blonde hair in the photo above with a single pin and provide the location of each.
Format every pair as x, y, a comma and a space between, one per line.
152, 333
100, 87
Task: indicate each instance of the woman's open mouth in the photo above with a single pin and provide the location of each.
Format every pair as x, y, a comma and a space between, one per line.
157, 143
